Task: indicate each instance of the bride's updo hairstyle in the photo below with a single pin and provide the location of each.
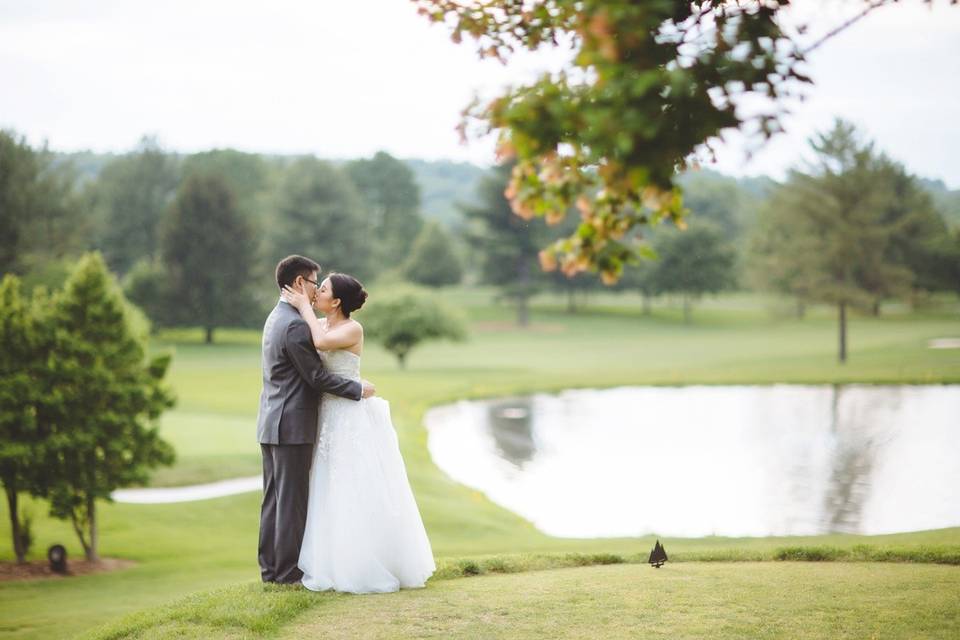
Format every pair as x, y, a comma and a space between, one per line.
349, 290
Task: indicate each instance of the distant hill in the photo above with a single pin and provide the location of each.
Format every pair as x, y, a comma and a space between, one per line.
87, 164
759, 187
948, 201
443, 185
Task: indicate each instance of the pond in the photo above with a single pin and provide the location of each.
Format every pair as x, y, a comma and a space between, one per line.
710, 460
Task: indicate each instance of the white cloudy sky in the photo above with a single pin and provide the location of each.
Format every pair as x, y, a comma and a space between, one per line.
346, 78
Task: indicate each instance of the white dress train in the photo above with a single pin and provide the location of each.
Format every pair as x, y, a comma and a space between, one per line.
364, 533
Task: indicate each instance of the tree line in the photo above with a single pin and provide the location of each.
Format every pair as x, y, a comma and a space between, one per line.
194, 237
852, 229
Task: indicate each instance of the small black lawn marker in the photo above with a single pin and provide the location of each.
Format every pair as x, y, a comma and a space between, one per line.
658, 556
57, 556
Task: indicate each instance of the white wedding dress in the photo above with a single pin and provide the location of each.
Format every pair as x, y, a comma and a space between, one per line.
364, 533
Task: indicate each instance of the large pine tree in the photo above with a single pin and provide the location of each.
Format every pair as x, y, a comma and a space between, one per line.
317, 212
21, 361
41, 219
208, 248
433, 260
390, 190
834, 236
102, 397
692, 263
131, 195
507, 244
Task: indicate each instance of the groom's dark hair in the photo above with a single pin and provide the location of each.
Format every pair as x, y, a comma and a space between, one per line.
292, 266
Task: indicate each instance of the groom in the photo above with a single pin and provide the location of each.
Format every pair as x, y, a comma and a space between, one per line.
293, 379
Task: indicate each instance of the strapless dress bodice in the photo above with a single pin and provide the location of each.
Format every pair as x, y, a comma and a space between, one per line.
343, 363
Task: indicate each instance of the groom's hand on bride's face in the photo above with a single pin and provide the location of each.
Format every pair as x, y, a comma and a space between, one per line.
368, 388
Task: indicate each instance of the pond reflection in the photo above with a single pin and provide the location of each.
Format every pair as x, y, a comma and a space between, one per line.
694, 461
511, 427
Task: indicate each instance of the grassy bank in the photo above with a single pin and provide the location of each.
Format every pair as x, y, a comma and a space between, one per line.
689, 600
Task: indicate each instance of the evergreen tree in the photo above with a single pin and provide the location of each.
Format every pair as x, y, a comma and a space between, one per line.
640, 276
208, 248
509, 245
131, 195
718, 199
147, 286
836, 243
42, 217
22, 358
946, 262
17, 175
318, 213
101, 402
433, 261
692, 263
917, 231
779, 250
246, 175
389, 188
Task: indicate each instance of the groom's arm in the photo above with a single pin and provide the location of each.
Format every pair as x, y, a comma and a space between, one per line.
308, 363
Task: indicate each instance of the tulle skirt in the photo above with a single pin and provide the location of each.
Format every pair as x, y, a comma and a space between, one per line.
364, 533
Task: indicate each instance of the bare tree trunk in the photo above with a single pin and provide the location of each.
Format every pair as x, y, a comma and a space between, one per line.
523, 295
78, 529
843, 332
876, 308
209, 338
93, 554
523, 311
12, 504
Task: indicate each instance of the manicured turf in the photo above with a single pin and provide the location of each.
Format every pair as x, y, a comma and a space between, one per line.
718, 601
733, 340
687, 600
191, 547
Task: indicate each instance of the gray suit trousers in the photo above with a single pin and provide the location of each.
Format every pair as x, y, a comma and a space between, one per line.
283, 514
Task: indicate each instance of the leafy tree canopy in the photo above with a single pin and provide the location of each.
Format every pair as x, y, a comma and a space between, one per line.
649, 85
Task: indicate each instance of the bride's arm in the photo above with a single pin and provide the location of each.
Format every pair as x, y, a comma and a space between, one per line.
342, 337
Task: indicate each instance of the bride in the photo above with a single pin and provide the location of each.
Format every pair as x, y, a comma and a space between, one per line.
363, 533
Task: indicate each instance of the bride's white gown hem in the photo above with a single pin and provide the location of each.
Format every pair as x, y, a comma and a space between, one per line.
364, 533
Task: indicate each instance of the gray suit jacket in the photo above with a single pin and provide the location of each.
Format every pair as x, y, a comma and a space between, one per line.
293, 379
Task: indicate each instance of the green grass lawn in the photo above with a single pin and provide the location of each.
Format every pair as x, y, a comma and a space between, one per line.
688, 600
716, 600
732, 340
182, 549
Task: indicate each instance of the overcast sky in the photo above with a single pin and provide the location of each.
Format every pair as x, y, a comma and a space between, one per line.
347, 78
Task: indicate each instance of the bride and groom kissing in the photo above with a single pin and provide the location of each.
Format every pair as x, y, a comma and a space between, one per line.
338, 512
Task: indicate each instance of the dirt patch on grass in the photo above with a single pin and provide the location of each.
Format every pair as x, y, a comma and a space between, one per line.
38, 569
944, 343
